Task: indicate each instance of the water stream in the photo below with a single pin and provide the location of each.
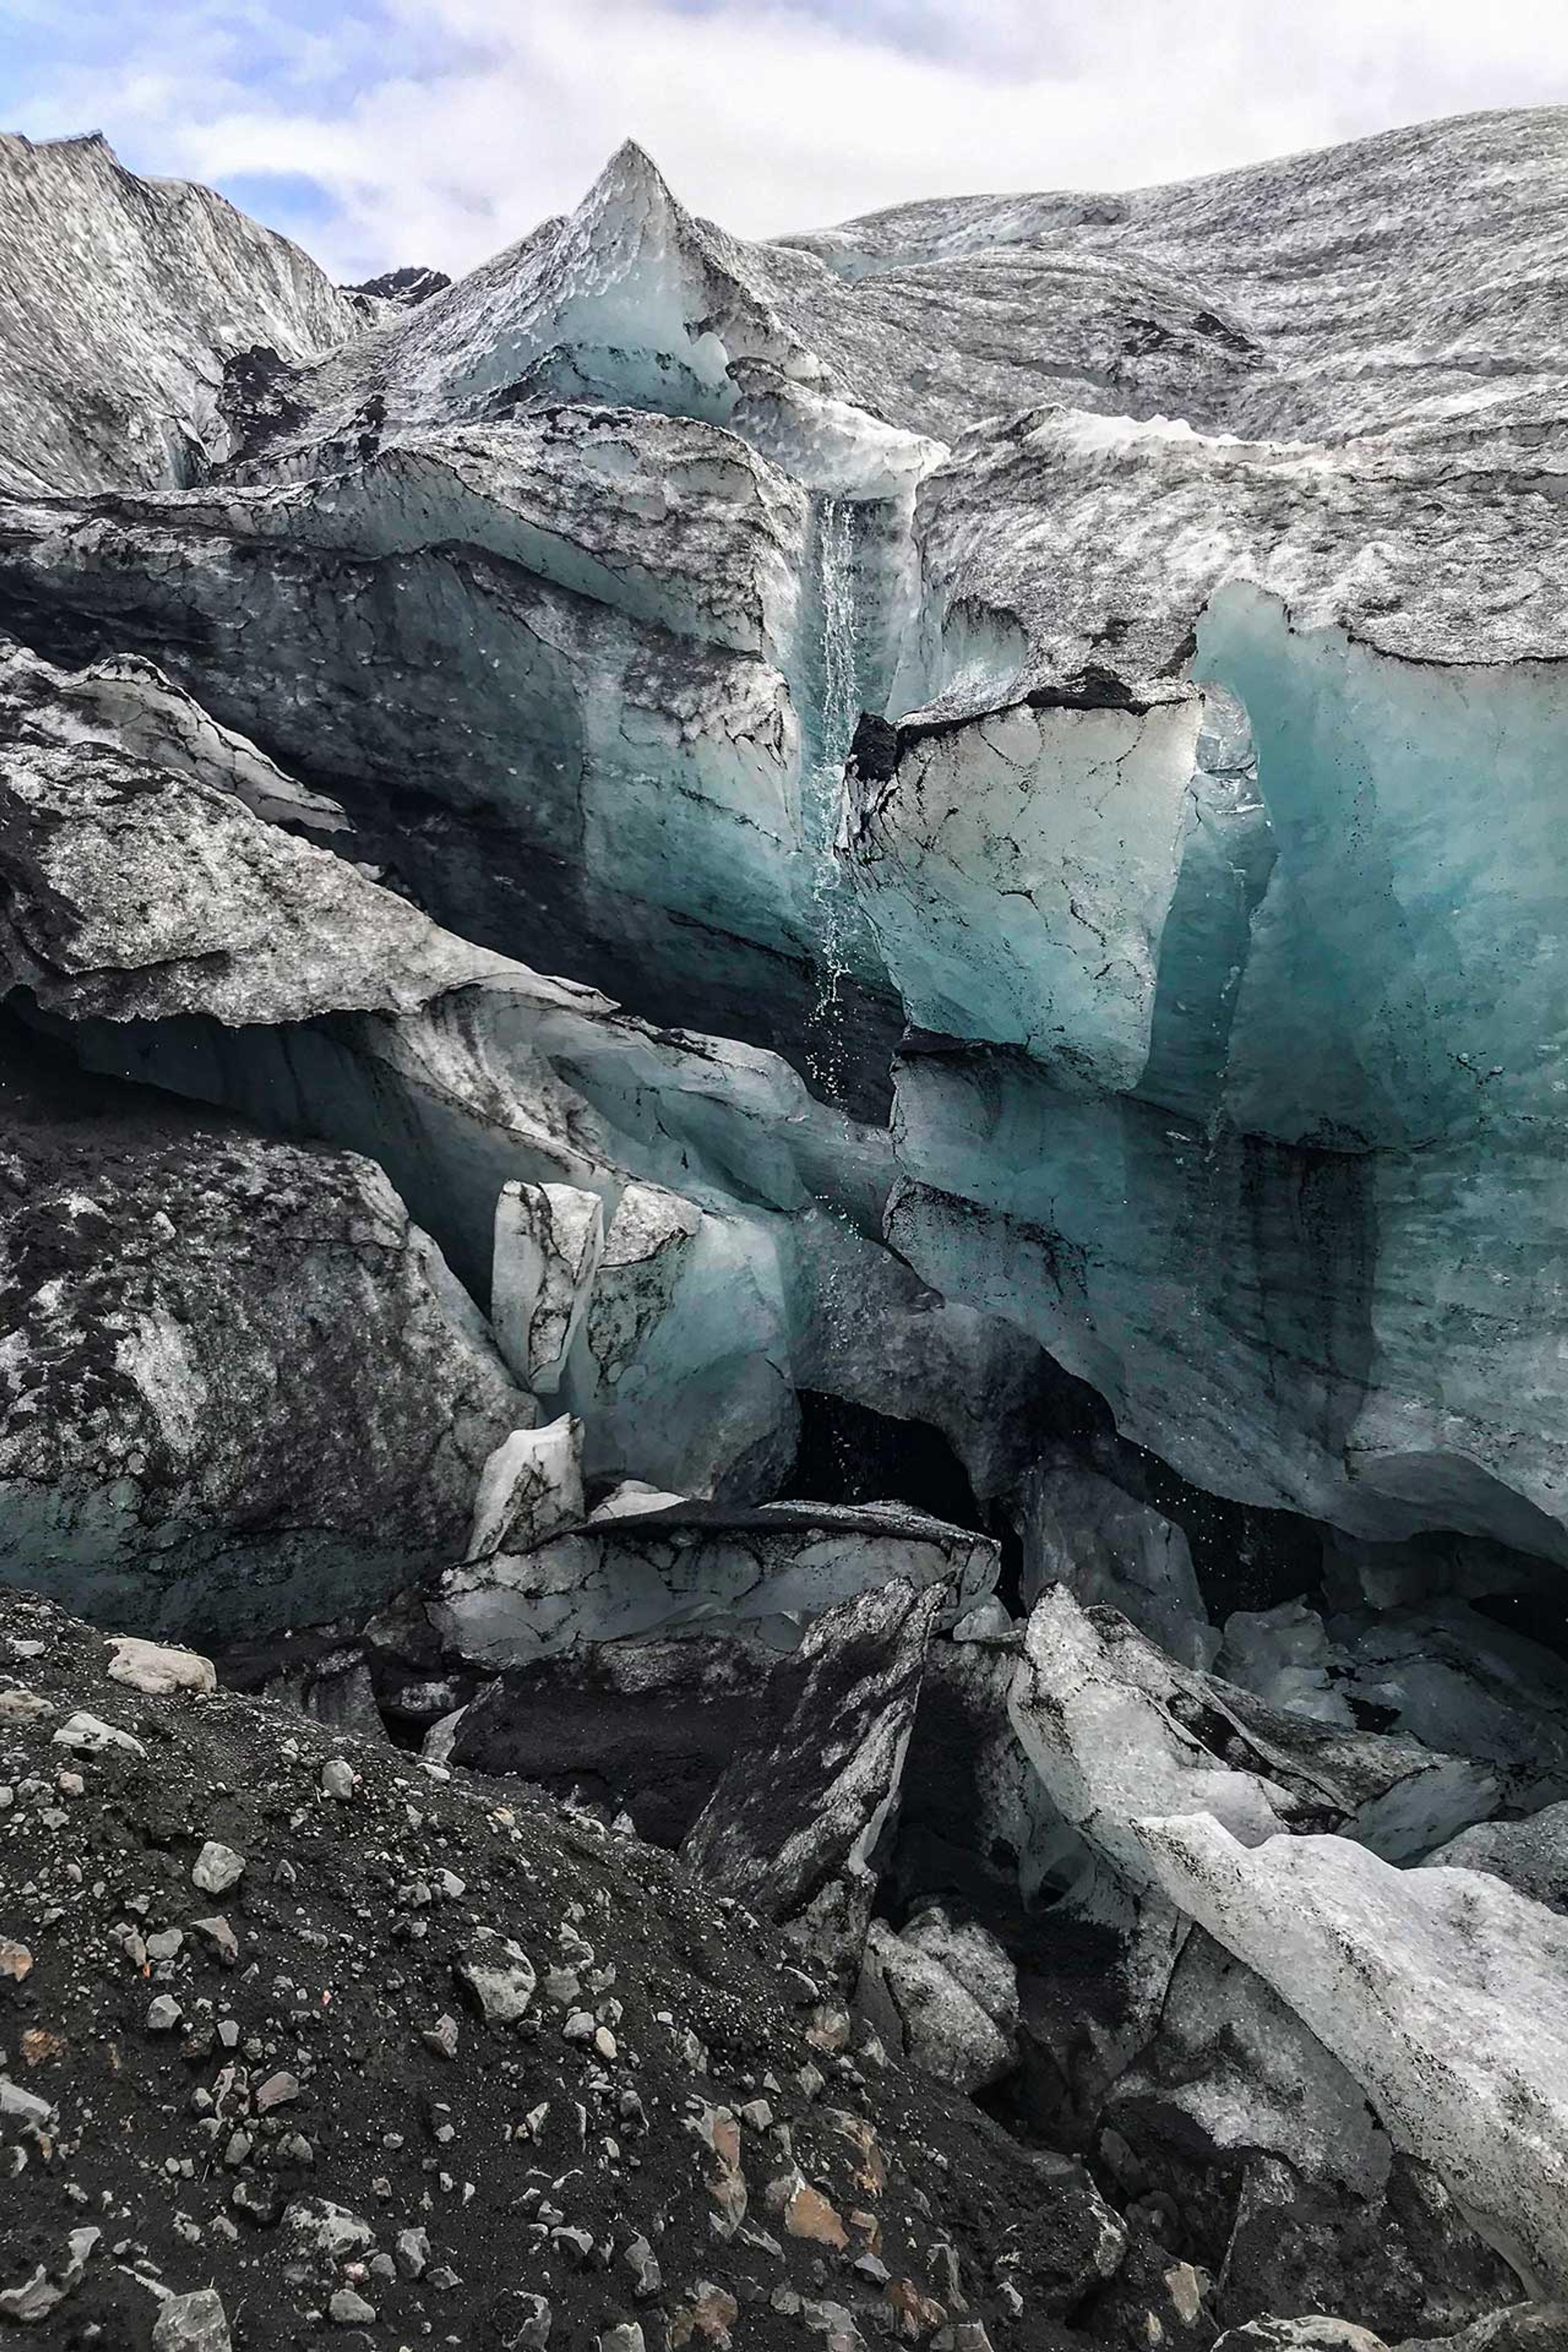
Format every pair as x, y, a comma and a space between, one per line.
835, 709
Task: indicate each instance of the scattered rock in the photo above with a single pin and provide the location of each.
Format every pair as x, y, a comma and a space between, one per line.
91, 1736
216, 1868
192, 2322
499, 1978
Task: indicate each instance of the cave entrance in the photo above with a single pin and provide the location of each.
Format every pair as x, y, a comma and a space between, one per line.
848, 1453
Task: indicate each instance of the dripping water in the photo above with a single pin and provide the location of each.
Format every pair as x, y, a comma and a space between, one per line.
831, 711
835, 711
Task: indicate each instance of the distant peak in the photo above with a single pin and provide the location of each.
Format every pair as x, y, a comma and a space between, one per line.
73, 139
631, 171
409, 285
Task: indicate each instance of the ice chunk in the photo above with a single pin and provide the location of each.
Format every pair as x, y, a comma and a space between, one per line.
125, 298
531, 1485
1080, 1530
1018, 869
1118, 1732
682, 1372
811, 1788
1285, 1655
549, 1241
706, 1570
925, 2013
1442, 1991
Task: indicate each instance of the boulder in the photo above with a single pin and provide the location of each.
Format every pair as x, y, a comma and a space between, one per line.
702, 1569
810, 1790
241, 1390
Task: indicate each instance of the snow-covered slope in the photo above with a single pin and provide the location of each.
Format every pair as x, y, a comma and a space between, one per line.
1206, 796
126, 300
1417, 274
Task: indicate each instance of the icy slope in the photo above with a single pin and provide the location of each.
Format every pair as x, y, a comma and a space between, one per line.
1201, 829
633, 298
1420, 272
125, 302
1330, 1178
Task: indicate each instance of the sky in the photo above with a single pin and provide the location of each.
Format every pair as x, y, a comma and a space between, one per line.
436, 132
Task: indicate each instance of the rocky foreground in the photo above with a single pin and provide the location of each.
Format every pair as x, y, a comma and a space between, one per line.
302, 2033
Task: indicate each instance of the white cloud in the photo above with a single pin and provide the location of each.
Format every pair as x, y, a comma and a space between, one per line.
771, 117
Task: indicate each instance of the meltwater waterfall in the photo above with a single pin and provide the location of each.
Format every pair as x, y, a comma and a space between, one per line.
833, 708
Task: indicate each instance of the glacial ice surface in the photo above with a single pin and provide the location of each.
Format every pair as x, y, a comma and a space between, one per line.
583, 740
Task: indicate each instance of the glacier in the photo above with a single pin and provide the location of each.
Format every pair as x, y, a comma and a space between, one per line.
858, 931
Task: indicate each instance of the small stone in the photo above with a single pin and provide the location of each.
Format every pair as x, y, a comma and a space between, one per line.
442, 2037
166, 1944
499, 1978
915, 2313
605, 2043
647, 2276
255, 2201
33, 2299
413, 2253
331, 2229
25, 2105
1185, 2289
713, 2313
15, 1959
216, 1868
222, 1937
164, 2014
279, 2090
521, 2321
192, 2322
339, 1779
17, 1705
807, 2214
579, 2026
348, 2309
626, 2337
